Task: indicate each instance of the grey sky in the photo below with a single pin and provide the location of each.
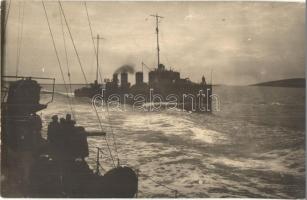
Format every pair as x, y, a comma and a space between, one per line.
242, 42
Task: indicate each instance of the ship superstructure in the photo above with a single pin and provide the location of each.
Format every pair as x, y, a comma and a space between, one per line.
166, 83
33, 166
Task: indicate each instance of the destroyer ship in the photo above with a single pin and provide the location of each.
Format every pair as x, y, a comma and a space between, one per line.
164, 86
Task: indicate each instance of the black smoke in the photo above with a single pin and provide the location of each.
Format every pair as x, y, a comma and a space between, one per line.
125, 68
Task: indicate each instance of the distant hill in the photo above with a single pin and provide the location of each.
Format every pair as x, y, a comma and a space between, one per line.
293, 82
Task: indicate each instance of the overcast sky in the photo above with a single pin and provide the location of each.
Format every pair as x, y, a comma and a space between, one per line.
242, 42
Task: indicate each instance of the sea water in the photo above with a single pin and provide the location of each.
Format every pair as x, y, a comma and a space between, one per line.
253, 146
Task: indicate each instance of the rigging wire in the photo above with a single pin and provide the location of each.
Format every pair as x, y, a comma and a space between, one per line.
4, 31
7, 15
18, 30
72, 40
92, 36
102, 155
143, 64
113, 136
159, 184
96, 53
105, 137
19, 35
67, 65
58, 59
65, 49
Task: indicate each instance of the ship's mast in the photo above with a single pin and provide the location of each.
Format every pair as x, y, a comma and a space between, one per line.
4, 163
3, 9
157, 32
97, 55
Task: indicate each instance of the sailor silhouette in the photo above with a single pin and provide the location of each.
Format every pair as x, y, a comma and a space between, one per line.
53, 129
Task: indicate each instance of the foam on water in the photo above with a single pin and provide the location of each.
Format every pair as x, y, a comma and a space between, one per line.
208, 136
218, 155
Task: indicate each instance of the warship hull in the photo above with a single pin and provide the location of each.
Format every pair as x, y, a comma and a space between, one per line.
164, 89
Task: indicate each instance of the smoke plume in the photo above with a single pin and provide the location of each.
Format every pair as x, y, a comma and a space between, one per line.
125, 68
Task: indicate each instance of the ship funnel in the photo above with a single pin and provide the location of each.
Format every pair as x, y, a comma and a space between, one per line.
139, 78
115, 78
124, 79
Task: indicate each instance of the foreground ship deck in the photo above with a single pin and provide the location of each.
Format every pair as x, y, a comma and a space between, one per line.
54, 167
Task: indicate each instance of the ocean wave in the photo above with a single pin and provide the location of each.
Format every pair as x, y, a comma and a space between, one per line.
208, 136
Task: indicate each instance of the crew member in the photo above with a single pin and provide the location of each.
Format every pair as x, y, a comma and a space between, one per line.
69, 121
53, 129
